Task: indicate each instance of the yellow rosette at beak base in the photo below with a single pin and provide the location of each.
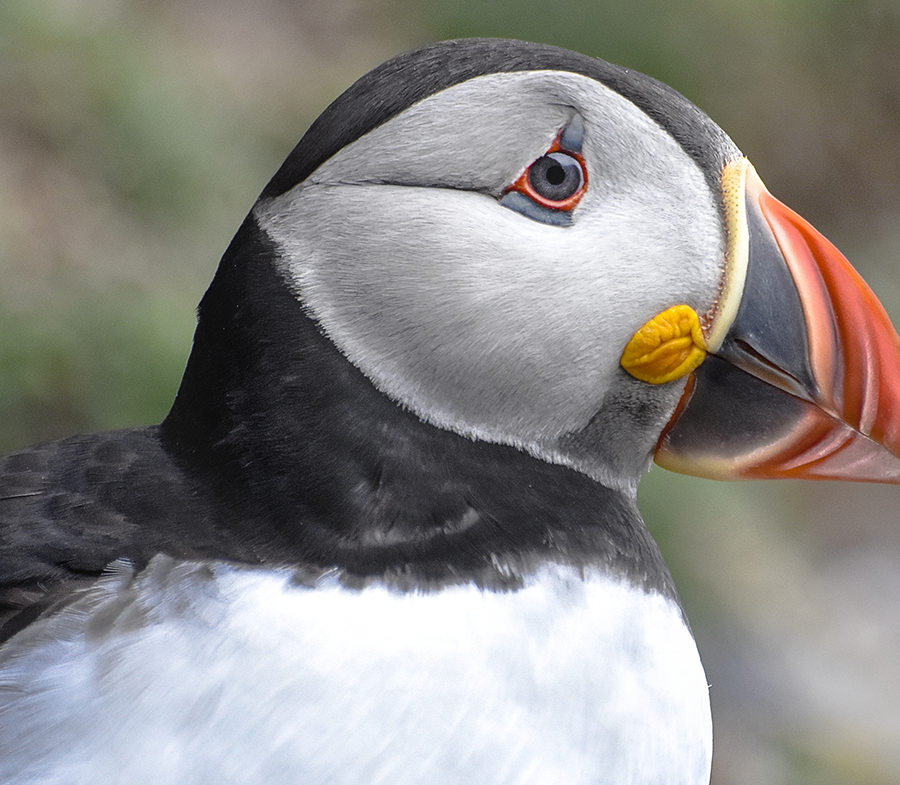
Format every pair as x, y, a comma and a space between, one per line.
666, 348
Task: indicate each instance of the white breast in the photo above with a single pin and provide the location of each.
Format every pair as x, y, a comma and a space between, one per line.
188, 674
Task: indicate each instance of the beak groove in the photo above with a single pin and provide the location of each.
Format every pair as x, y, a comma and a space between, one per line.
853, 348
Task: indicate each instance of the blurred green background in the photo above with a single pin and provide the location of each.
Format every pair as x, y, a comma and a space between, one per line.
135, 135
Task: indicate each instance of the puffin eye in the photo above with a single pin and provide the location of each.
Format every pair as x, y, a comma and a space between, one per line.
555, 178
549, 189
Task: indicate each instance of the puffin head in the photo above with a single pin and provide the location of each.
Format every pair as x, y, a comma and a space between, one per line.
529, 247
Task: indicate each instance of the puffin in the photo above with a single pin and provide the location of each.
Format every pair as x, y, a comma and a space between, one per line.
388, 531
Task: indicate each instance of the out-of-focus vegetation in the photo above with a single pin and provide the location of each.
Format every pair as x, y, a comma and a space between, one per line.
134, 136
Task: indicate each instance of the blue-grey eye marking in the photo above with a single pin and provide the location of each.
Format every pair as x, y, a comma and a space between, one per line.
515, 200
572, 137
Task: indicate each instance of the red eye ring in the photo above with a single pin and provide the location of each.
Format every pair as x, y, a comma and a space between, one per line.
524, 186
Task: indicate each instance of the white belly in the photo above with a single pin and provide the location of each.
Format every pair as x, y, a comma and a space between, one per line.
233, 675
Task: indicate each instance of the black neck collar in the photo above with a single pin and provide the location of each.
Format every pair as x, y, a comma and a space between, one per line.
304, 459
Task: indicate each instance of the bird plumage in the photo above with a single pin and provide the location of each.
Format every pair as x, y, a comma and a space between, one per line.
388, 531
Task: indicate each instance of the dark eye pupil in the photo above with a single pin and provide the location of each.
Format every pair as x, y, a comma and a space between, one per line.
556, 176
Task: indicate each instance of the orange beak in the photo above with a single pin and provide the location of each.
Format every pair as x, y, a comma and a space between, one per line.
806, 382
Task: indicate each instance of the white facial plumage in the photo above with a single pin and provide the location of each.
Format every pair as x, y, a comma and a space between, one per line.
479, 319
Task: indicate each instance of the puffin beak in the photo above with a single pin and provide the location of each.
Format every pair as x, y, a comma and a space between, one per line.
802, 375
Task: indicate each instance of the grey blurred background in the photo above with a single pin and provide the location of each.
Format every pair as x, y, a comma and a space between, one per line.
136, 134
